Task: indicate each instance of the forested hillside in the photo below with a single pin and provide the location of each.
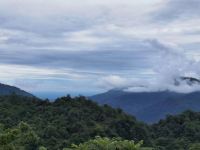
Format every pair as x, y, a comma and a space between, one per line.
57, 125
178, 132
66, 121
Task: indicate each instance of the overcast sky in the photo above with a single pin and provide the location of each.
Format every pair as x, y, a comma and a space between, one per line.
90, 46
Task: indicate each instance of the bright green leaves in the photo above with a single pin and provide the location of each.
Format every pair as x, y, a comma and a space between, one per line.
21, 137
108, 144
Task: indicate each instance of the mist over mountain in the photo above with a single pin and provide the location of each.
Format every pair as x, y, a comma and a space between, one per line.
188, 80
179, 84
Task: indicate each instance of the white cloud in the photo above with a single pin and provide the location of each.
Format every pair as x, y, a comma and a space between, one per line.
112, 81
171, 63
86, 37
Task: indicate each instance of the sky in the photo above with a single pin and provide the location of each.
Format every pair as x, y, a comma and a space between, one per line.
50, 47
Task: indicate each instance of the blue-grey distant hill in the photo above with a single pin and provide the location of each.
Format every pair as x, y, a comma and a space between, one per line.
7, 90
152, 106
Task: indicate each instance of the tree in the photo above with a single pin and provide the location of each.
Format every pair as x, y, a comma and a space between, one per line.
21, 137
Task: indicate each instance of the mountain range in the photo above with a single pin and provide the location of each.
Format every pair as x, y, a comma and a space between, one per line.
146, 106
153, 106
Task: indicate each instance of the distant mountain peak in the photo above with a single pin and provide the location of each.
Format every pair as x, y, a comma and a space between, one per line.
188, 80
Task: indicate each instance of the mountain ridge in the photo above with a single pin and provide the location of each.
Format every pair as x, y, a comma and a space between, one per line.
150, 106
8, 89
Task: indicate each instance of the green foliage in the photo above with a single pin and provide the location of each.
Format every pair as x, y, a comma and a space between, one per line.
107, 144
21, 137
178, 132
42, 148
195, 146
70, 120
59, 124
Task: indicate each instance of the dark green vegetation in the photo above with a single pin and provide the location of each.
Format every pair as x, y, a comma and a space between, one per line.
29, 123
67, 120
23, 137
178, 132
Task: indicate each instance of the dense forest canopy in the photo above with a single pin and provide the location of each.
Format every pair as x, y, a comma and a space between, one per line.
57, 125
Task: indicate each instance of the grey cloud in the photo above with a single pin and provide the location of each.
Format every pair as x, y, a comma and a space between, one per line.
47, 27
98, 60
177, 9
44, 22
99, 40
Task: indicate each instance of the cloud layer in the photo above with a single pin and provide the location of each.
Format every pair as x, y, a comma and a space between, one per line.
90, 46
